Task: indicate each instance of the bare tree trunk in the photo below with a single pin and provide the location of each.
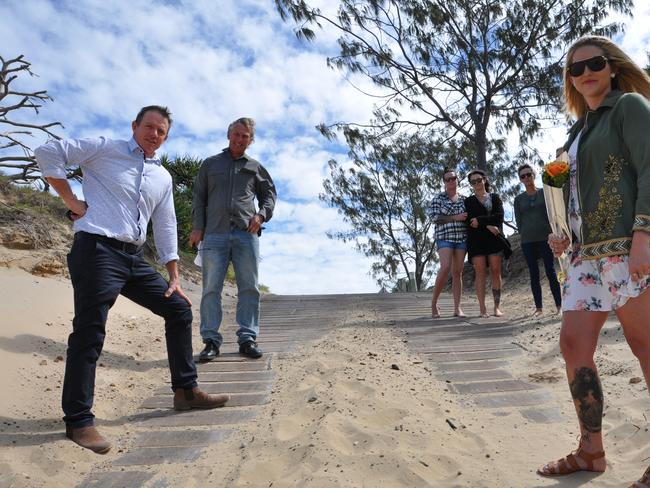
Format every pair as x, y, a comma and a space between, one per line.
19, 156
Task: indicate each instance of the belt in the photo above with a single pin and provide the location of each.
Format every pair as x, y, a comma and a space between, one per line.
127, 247
234, 226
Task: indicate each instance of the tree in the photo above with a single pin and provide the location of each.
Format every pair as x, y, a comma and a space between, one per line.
183, 170
14, 131
385, 196
481, 68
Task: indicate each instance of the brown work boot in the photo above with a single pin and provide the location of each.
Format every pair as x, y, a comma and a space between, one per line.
195, 398
89, 438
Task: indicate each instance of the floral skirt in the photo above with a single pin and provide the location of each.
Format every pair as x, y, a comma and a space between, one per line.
600, 285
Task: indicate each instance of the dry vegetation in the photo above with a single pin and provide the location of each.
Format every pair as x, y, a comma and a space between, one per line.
36, 234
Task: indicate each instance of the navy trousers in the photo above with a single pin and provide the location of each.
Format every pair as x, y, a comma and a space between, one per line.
532, 252
99, 274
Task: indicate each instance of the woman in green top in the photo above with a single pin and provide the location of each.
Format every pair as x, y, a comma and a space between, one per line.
609, 218
532, 222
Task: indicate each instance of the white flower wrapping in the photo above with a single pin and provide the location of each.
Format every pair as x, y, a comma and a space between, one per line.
557, 217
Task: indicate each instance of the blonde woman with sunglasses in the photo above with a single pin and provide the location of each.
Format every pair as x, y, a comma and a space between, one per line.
609, 215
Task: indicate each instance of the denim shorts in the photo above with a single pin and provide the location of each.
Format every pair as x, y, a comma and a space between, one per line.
452, 245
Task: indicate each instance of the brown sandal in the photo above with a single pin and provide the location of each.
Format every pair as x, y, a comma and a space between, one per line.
571, 464
644, 482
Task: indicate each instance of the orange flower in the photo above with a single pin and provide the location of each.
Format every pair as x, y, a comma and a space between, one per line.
556, 168
555, 174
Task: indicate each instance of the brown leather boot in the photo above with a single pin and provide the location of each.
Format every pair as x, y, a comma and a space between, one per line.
89, 438
195, 398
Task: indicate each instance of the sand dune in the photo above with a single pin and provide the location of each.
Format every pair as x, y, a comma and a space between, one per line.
340, 415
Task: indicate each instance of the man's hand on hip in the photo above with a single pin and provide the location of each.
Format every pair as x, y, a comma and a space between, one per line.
255, 223
77, 208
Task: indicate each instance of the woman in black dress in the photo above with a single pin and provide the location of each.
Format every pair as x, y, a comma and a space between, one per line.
484, 246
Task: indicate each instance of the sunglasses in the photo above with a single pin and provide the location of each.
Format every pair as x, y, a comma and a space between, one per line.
475, 181
595, 64
450, 178
525, 175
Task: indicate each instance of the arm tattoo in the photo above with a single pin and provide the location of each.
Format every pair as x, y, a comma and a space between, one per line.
587, 392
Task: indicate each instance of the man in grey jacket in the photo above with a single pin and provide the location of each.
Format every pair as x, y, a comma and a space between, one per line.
225, 220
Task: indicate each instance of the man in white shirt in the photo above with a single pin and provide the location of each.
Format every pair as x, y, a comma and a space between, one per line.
124, 186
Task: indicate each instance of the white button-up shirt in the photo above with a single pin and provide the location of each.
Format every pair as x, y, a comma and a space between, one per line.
123, 190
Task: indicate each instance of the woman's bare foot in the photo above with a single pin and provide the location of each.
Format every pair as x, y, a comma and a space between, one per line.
435, 313
537, 313
484, 314
497, 312
459, 313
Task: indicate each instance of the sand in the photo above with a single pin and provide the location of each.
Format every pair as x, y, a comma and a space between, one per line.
339, 415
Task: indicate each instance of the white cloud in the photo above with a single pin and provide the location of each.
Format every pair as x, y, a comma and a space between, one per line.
636, 40
310, 218
212, 62
296, 263
300, 164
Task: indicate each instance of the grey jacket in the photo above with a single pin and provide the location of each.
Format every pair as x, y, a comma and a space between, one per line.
225, 190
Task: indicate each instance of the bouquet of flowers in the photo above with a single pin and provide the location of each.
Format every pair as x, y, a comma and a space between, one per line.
556, 173
554, 177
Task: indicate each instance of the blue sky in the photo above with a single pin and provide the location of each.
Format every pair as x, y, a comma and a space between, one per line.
212, 62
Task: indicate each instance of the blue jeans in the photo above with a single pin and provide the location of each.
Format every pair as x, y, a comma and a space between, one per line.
242, 248
532, 252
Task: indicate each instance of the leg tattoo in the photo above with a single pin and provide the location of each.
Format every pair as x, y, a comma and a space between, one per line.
496, 294
587, 392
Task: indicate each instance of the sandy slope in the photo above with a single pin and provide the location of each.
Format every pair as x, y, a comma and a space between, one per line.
339, 415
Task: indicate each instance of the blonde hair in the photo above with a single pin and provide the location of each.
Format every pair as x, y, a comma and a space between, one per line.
629, 77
